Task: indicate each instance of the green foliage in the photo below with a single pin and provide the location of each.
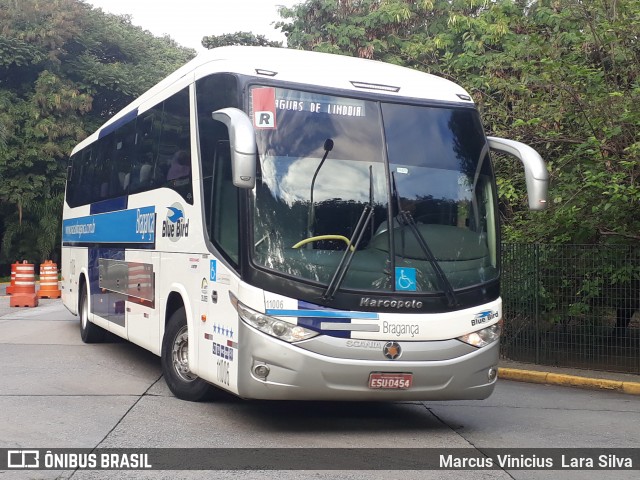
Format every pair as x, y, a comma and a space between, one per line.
37, 237
561, 285
64, 69
247, 39
559, 75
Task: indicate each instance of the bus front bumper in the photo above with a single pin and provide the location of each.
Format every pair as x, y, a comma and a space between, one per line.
298, 374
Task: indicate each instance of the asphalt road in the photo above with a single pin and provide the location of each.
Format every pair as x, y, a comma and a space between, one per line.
57, 392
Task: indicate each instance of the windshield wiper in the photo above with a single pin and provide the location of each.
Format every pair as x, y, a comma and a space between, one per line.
349, 252
407, 219
445, 284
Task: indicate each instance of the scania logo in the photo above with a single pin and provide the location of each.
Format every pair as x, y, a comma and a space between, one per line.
392, 350
364, 344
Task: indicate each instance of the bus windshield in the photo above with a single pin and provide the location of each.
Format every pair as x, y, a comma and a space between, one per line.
406, 192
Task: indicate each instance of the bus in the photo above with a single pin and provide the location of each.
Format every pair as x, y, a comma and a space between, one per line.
294, 225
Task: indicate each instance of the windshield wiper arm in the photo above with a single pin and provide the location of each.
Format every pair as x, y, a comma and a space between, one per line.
347, 257
407, 219
445, 284
311, 217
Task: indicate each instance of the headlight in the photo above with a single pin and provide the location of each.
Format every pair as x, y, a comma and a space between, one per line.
270, 325
483, 337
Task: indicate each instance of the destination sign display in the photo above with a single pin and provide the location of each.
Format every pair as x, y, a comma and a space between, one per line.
267, 102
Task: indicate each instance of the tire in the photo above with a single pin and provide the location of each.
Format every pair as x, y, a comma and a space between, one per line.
175, 362
89, 332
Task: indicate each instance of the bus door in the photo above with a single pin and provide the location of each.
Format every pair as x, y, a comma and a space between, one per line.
219, 332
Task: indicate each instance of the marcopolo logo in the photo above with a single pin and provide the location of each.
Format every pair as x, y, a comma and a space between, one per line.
484, 317
389, 303
176, 226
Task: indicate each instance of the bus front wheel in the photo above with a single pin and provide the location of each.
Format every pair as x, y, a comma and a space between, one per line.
175, 361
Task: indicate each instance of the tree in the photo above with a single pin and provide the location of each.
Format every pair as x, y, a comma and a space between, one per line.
239, 38
65, 68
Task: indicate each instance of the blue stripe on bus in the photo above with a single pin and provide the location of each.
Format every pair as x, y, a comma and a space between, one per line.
110, 205
333, 314
313, 316
134, 226
315, 323
118, 123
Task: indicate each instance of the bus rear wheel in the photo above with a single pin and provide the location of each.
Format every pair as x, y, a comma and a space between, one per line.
183, 383
89, 332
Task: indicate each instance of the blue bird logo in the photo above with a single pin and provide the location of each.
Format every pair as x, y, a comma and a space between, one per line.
484, 317
176, 214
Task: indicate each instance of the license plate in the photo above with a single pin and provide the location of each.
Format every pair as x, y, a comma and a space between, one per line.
390, 380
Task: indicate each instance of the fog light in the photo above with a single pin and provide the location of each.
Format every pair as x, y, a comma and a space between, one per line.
261, 371
493, 373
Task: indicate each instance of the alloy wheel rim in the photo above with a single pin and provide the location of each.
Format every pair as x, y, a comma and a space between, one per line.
180, 355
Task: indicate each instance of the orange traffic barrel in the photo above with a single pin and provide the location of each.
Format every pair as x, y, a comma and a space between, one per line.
12, 286
24, 293
49, 280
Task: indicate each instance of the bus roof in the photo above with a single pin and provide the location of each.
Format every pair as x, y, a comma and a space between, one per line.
305, 67
328, 70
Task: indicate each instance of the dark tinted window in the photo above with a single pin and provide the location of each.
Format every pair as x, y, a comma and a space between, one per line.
85, 190
122, 157
150, 151
213, 93
224, 224
435, 137
148, 129
173, 164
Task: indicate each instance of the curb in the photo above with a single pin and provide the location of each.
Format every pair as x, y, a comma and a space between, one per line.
632, 388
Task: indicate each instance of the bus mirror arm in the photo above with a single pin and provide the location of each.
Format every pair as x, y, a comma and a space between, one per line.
535, 169
242, 139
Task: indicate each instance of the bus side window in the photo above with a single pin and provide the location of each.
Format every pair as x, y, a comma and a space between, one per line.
74, 173
86, 190
224, 205
216, 132
147, 139
122, 152
173, 164
103, 168
214, 92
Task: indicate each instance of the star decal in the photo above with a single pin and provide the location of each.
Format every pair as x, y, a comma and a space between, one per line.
222, 330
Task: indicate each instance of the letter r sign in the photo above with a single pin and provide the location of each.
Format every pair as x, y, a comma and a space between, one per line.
263, 101
264, 119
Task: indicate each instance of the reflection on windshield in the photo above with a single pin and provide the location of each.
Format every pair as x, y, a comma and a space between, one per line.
289, 179
282, 209
444, 181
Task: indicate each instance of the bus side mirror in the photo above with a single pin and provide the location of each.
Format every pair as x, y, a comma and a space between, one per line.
535, 170
242, 140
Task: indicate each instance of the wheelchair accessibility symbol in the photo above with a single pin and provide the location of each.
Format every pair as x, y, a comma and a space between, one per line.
212, 267
406, 279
